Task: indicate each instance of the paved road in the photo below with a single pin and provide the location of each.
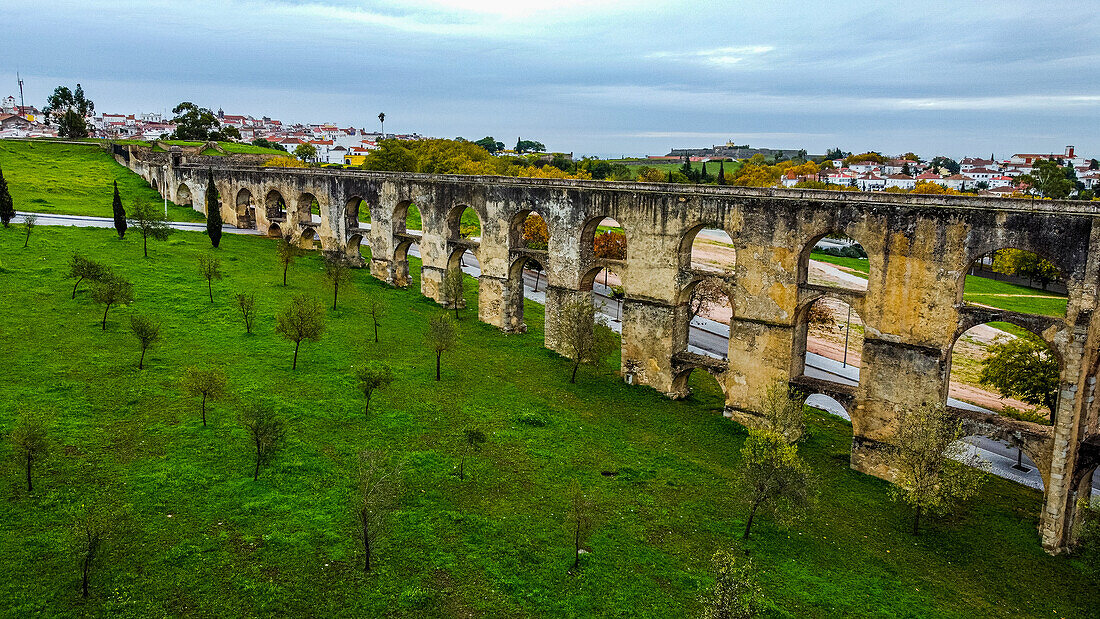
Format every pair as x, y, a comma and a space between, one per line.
107, 222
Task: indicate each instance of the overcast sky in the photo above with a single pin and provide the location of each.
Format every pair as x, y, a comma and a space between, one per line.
609, 78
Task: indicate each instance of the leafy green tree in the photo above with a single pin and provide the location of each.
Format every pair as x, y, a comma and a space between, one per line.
112, 290
472, 440
736, 594
68, 109
373, 376
529, 146
935, 472
247, 304
207, 383
81, 268
7, 206
946, 163
150, 221
392, 156
303, 319
579, 521
773, 478
147, 333
490, 145
199, 123
377, 495
213, 211
29, 221
1048, 179
1025, 264
30, 441
266, 432
119, 213
265, 143
210, 267
583, 338
306, 152
287, 252
337, 271
783, 414
441, 337
1025, 368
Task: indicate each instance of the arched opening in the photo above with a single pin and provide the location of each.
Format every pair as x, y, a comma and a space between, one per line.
357, 247
245, 209
608, 293
183, 196
829, 341
835, 260
275, 206
1014, 280
357, 212
708, 312
153, 183
603, 239
309, 209
709, 251
274, 231
308, 240
403, 275
463, 222
1004, 369
407, 219
703, 388
827, 404
529, 232
465, 260
525, 274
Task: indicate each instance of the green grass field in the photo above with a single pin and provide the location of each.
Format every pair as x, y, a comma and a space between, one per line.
67, 179
198, 537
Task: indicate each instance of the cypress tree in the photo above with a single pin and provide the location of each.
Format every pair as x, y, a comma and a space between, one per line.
119, 213
670, 175
721, 173
703, 176
213, 211
7, 207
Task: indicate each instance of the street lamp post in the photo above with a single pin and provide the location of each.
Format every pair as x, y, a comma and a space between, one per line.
847, 328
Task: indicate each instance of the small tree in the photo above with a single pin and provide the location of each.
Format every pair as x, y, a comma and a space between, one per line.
287, 252
535, 233
150, 221
373, 376
772, 477
377, 494
81, 268
213, 211
934, 470
30, 442
578, 520
454, 288
210, 267
473, 440
147, 333
1025, 368
736, 595
29, 222
441, 337
207, 383
95, 525
111, 290
375, 307
247, 304
709, 293
783, 414
583, 338
7, 206
303, 319
306, 152
337, 271
119, 213
266, 432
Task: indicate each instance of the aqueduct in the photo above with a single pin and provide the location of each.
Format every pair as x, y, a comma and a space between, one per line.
919, 250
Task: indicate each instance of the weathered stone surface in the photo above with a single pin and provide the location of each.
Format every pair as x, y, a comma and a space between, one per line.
919, 250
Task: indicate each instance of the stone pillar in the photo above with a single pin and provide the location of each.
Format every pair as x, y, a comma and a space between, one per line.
491, 300
652, 333
511, 304
1058, 510
431, 281
759, 353
555, 297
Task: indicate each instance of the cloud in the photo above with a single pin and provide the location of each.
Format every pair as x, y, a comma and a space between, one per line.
721, 56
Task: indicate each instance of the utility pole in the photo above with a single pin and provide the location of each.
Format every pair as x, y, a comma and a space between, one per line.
847, 327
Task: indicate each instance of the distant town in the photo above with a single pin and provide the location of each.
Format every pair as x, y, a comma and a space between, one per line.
350, 145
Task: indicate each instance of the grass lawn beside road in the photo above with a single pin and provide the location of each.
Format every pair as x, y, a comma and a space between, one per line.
198, 537
68, 179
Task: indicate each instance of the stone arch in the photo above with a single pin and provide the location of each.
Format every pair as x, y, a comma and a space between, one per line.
275, 206
308, 238
184, 197
588, 239
829, 404
307, 206
353, 212
401, 214
960, 288
682, 383
245, 209
687, 258
153, 183
455, 225
402, 277
824, 369
354, 248
606, 284
518, 277
1016, 239
457, 260
516, 226
274, 231
846, 281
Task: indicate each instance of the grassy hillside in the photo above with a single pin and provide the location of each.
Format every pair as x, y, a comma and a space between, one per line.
68, 179
196, 536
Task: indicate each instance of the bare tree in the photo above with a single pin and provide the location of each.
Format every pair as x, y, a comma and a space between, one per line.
207, 383
709, 293
578, 520
337, 271
111, 290
373, 376
736, 595
81, 268
210, 266
28, 226
375, 307
935, 472
377, 495
150, 221
441, 337
147, 333
473, 440
31, 443
266, 431
773, 478
454, 288
303, 319
287, 252
97, 523
783, 414
247, 304
583, 338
